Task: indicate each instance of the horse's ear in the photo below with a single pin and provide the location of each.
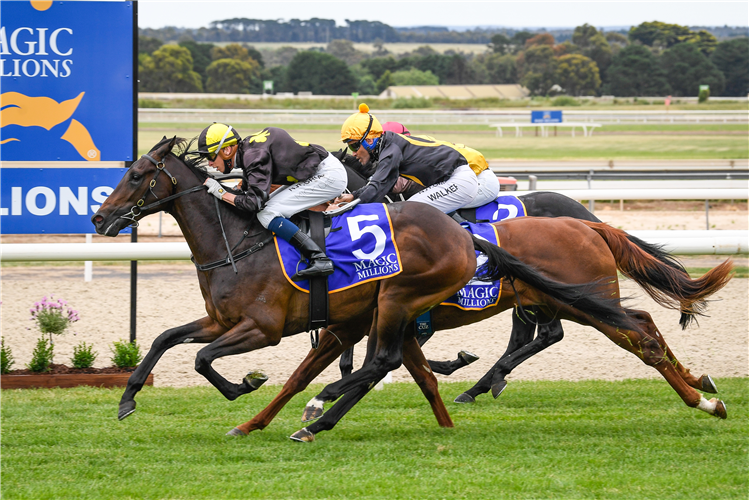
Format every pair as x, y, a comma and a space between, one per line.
172, 142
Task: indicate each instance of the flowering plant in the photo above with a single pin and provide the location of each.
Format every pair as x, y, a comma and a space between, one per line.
53, 316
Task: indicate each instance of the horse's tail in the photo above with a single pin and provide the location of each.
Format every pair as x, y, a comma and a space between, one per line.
586, 297
668, 284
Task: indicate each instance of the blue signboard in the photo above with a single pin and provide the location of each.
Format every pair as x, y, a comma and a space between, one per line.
53, 200
546, 117
66, 74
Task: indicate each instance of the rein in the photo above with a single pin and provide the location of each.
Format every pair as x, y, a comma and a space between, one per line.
230, 258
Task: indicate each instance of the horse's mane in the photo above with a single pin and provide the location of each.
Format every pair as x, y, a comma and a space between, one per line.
182, 150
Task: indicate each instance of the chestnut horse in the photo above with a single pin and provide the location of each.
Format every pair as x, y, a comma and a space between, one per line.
255, 306
522, 344
605, 249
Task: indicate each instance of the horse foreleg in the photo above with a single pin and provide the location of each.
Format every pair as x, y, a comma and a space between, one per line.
314, 364
245, 336
418, 367
202, 331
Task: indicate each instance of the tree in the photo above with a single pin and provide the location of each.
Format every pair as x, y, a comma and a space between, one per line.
519, 38
378, 65
319, 73
615, 38
414, 76
703, 40
732, 58
499, 43
635, 71
661, 34
232, 76
499, 68
687, 69
385, 81
169, 69
146, 44
345, 51
539, 69
578, 75
231, 51
255, 54
593, 44
201, 56
540, 39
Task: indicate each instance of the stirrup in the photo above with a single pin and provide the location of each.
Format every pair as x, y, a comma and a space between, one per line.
313, 272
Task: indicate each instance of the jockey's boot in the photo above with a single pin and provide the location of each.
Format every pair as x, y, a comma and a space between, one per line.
319, 263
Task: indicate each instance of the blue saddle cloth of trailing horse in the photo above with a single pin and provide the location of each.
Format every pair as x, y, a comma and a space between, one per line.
360, 244
477, 295
504, 207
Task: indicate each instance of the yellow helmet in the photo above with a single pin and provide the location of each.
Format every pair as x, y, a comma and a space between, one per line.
215, 137
360, 126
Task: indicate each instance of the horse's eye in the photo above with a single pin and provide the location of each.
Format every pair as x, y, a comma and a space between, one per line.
136, 177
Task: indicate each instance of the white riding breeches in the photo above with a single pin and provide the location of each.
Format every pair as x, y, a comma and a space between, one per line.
328, 183
452, 194
488, 189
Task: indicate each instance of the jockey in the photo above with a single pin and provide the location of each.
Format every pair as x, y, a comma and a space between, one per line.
449, 182
309, 174
488, 182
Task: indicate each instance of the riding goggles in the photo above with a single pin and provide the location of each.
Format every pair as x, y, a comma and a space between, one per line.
354, 145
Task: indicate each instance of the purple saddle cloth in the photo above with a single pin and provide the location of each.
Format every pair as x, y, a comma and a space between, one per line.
360, 244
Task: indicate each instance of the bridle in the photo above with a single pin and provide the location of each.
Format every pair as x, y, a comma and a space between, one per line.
138, 208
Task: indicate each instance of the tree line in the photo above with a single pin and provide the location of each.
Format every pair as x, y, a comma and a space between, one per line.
653, 58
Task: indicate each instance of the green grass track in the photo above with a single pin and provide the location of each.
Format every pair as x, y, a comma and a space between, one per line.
628, 439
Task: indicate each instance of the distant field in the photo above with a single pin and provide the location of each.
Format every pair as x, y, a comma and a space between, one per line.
616, 147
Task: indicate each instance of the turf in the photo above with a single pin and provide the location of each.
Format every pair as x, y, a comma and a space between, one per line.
594, 439
528, 147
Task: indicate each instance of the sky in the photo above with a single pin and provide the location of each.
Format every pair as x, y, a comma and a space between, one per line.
513, 14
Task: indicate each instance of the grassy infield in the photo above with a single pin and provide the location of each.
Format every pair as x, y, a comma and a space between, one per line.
631, 439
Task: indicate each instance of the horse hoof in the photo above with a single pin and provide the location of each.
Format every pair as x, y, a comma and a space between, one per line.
465, 398
303, 436
235, 432
467, 357
499, 388
255, 379
720, 409
708, 385
311, 413
126, 409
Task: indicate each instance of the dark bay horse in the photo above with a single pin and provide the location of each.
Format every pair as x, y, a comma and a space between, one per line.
606, 250
522, 344
255, 306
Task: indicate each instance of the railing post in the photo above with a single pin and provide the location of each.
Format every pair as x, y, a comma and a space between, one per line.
591, 203
532, 180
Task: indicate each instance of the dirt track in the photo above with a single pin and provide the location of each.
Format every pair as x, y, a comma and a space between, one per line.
168, 296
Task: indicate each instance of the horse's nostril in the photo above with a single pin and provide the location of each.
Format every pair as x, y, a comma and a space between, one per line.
96, 219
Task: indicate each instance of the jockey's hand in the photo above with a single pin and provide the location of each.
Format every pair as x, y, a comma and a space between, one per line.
215, 188
344, 198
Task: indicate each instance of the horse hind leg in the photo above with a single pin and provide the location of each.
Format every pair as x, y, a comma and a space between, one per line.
651, 352
703, 383
202, 331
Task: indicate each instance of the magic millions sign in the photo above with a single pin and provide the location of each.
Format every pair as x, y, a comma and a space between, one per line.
66, 81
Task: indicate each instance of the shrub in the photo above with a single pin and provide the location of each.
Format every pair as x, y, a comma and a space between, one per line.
412, 103
126, 354
565, 100
41, 358
50, 317
704, 95
150, 103
83, 356
6, 358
